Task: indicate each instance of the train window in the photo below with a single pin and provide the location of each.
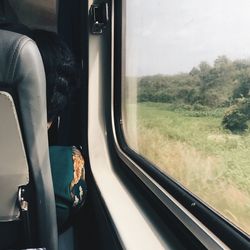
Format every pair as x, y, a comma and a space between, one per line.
186, 96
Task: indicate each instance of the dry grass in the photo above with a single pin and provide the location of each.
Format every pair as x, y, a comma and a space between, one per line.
201, 173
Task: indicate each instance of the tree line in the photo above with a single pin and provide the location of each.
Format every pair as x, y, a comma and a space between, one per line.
226, 83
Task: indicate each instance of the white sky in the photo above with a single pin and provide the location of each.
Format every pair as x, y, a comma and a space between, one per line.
171, 36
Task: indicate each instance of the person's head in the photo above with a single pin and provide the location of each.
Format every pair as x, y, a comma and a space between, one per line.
60, 70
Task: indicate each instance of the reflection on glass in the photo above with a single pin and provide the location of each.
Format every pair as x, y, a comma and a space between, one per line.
186, 99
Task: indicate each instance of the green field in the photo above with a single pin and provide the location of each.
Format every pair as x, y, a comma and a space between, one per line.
191, 146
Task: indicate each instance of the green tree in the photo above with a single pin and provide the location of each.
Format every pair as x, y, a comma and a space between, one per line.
244, 84
222, 62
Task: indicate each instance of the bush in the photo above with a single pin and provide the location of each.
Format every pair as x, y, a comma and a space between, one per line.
199, 107
235, 120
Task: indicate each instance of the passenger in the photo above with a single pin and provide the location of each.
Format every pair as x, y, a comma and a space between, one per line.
67, 163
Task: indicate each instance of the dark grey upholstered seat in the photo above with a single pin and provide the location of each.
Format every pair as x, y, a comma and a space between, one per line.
22, 73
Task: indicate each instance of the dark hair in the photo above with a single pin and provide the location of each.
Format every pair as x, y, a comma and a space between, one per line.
60, 70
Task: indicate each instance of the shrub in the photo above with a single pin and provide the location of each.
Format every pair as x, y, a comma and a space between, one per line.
235, 120
199, 107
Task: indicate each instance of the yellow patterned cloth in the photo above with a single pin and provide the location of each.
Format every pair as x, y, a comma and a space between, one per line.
68, 174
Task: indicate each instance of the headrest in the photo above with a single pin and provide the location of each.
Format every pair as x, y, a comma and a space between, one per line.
16, 53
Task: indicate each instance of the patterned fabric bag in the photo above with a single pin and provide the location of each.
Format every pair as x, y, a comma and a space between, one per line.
68, 174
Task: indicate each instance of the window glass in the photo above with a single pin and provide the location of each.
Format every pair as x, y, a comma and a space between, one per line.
186, 99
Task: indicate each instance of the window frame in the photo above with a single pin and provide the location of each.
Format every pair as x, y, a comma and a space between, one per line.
204, 222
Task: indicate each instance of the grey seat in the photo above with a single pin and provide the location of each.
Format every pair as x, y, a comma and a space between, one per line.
24, 156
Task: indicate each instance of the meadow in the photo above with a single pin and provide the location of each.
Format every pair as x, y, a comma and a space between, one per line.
189, 144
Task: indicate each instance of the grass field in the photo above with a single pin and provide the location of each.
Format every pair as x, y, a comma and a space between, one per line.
191, 147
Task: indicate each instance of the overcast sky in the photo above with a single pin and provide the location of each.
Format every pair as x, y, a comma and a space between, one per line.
171, 36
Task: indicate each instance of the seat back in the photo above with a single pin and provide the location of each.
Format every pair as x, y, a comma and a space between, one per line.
23, 134
14, 171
